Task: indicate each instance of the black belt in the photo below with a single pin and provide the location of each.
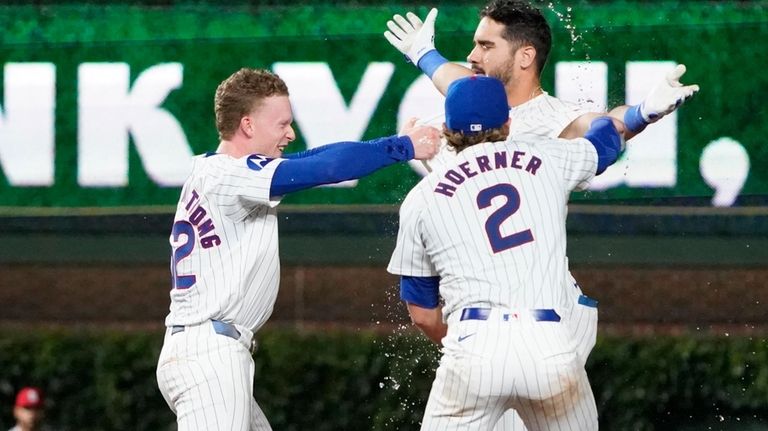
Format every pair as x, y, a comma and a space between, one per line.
538, 314
221, 328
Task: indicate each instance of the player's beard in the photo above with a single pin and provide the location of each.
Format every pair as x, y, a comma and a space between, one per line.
505, 73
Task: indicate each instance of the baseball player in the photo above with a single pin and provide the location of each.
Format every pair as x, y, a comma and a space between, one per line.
512, 42
487, 234
224, 265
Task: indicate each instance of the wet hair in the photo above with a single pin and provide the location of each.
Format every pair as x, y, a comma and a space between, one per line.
459, 141
240, 94
523, 25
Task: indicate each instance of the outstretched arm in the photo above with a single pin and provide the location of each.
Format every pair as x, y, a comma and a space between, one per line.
343, 161
416, 40
605, 135
663, 99
447, 73
339, 162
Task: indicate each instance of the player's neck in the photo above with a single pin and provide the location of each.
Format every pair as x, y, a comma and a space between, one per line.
232, 149
523, 92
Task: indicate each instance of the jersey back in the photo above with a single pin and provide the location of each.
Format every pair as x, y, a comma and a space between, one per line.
491, 224
224, 243
544, 115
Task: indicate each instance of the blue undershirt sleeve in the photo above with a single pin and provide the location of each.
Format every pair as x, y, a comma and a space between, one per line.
606, 140
338, 162
421, 291
308, 153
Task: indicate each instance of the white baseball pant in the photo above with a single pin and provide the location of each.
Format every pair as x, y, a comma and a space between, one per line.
207, 380
491, 366
582, 319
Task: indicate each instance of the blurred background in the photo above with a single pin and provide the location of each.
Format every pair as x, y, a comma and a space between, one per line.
103, 103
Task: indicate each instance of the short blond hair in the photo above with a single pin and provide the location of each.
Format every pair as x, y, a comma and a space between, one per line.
240, 94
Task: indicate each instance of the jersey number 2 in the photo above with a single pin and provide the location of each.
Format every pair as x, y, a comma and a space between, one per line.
493, 224
180, 251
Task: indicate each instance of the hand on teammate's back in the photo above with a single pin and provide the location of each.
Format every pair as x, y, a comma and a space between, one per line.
425, 139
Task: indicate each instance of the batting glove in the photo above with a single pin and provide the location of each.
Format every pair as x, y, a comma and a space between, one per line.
663, 99
416, 40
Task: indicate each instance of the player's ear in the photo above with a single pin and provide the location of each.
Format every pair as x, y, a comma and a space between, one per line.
247, 126
526, 56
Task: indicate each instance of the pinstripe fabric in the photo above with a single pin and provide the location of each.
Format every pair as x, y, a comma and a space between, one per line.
524, 365
237, 280
448, 236
583, 321
224, 266
445, 230
207, 380
543, 115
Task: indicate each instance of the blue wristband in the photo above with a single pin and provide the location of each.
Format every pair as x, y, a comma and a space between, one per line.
634, 120
430, 61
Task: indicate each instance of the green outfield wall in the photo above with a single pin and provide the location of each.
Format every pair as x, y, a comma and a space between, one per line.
104, 105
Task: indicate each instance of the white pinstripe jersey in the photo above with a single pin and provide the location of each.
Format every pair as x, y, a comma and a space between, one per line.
492, 224
544, 115
224, 261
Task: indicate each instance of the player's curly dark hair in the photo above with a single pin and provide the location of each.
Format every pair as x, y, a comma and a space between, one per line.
459, 141
523, 24
240, 94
